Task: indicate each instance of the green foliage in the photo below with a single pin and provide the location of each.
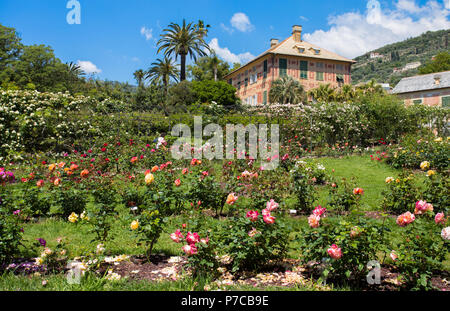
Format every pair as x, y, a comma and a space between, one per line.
209, 91
341, 196
254, 244
397, 55
401, 194
303, 187
10, 234
287, 90
441, 62
358, 239
208, 68
420, 252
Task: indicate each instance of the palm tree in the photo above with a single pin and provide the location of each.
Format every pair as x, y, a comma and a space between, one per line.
139, 75
346, 93
323, 93
286, 91
162, 71
184, 40
75, 69
215, 62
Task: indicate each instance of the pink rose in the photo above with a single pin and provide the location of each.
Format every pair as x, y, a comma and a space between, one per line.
319, 211
177, 236
394, 255
269, 219
271, 205
192, 238
314, 221
190, 249
334, 252
405, 219
253, 215
440, 218
422, 207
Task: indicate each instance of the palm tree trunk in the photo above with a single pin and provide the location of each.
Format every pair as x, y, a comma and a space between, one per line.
183, 67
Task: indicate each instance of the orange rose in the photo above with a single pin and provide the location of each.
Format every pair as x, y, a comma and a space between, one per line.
84, 173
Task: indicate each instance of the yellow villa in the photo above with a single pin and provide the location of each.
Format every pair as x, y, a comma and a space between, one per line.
308, 63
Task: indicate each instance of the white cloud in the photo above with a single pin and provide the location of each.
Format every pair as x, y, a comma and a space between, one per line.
227, 29
353, 34
241, 22
226, 54
88, 67
147, 33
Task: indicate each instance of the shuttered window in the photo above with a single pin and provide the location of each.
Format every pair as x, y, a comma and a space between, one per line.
319, 76
446, 101
265, 98
283, 67
303, 69
417, 101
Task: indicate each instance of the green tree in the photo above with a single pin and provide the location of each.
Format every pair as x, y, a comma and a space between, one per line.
184, 40
440, 63
139, 75
208, 68
286, 90
10, 50
220, 92
162, 71
39, 65
323, 93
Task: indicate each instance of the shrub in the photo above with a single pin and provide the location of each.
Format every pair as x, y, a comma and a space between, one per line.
209, 91
420, 252
254, 240
10, 234
401, 193
341, 196
342, 247
437, 191
303, 187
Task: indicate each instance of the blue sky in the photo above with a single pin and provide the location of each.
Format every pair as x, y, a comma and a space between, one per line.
117, 37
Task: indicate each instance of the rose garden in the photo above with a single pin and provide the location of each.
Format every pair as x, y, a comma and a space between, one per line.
92, 199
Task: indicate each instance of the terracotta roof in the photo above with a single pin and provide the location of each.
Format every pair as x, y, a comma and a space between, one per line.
423, 83
290, 47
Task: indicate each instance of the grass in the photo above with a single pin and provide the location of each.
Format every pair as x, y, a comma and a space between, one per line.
369, 175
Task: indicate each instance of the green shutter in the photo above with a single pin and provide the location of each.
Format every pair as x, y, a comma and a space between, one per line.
417, 101
283, 67
265, 98
319, 76
446, 101
303, 69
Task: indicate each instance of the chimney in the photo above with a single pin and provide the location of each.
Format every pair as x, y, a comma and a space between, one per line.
437, 79
297, 33
273, 42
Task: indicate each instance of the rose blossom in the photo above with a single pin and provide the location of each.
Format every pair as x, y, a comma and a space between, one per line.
445, 234
314, 221
334, 252
231, 199
422, 207
176, 236
319, 211
253, 215
192, 238
393, 255
440, 218
271, 205
190, 249
405, 219
269, 219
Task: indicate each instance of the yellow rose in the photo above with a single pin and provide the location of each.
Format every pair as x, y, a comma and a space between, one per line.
149, 178
397, 180
134, 225
430, 173
73, 218
438, 140
424, 165
389, 180
51, 167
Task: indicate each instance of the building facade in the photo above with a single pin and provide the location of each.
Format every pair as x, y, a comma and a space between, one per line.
293, 57
430, 89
